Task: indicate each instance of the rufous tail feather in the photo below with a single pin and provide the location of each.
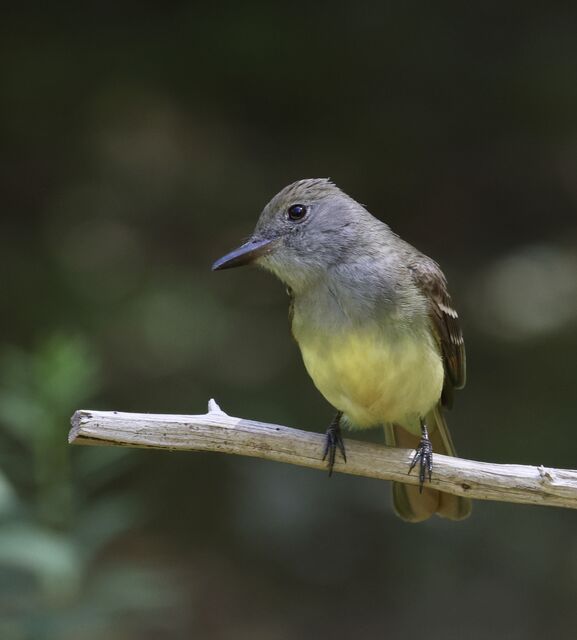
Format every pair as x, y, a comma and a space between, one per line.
409, 503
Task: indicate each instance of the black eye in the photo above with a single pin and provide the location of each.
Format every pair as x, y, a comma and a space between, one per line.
297, 211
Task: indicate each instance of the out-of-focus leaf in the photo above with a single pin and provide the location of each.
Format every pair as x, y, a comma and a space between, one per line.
65, 371
8, 498
20, 414
53, 559
38, 389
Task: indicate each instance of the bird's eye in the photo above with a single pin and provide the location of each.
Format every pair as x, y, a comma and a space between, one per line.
297, 212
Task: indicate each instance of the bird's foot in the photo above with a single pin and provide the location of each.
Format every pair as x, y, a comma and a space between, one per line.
424, 456
334, 441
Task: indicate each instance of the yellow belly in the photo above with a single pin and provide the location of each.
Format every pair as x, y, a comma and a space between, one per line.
373, 380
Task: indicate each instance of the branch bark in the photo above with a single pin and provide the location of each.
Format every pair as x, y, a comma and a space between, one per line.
217, 431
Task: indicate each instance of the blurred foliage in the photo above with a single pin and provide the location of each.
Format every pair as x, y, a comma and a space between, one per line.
140, 142
56, 518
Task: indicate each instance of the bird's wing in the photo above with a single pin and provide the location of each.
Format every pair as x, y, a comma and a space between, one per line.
432, 283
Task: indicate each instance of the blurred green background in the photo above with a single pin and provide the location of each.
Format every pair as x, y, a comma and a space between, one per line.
140, 143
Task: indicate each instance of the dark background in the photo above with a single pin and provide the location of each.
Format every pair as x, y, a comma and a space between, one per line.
140, 143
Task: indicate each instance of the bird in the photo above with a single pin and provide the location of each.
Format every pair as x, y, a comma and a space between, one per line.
375, 325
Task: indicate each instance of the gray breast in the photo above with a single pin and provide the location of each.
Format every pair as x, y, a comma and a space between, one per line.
360, 294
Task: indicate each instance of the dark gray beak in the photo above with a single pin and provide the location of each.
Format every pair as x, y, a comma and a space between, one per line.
245, 254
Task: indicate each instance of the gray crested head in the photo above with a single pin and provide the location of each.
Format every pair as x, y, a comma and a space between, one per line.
307, 228
312, 225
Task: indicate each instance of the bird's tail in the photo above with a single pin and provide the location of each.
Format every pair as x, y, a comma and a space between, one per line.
410, 505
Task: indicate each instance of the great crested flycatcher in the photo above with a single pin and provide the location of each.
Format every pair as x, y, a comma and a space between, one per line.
375, 325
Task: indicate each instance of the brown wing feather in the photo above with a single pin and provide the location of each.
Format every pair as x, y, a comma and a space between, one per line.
430, 279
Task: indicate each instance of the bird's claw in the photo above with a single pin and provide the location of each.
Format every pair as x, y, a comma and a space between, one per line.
333, 441
424, 456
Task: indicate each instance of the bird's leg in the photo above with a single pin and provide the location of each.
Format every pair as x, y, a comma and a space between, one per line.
424, 456
334, 440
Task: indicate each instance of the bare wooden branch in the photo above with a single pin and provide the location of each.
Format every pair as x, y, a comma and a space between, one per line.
217, 431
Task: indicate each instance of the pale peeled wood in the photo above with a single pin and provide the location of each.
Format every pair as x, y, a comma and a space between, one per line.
217, 431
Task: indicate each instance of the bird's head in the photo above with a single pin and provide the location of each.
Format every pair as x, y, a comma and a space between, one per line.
305, 229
